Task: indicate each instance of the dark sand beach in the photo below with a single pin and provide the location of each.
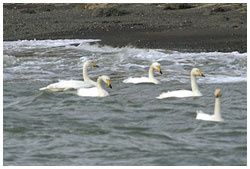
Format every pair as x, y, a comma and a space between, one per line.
185, 27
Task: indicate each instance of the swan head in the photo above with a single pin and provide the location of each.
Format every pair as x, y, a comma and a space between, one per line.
157, 67
196, 71
106, 79
90, 62
217, 93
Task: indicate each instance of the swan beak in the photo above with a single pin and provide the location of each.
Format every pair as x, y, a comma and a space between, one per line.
201, 74
95, 65
159, 69
217, 93
109, 84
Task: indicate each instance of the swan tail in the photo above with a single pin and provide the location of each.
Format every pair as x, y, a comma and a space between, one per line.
126, 80
53, 89
200, 115
162, 96
67, 89
136, 80
198, 111
43, 88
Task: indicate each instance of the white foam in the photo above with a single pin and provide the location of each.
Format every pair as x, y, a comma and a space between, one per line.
223, 79
30, 44
9, 60
145, 54
95, 48
218, 67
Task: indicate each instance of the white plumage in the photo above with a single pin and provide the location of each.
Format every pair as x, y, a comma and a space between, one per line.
217, 114
203, 116
185, 93
97, 91
64, 85
178, 93
149, 79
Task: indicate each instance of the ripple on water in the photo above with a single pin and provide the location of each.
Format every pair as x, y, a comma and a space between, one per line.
130, 127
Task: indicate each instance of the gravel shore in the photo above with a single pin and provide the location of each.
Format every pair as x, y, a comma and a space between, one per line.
182, 27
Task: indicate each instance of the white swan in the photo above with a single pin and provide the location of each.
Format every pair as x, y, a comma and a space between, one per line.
97, 91
149, 79
185, 93
216, 116
64, 85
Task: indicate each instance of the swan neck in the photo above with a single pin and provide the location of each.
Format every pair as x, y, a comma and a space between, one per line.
99, 81
217, 115
151, 73
84, 73
194, 85
99, 86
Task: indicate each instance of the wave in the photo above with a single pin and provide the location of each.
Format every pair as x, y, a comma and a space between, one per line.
9, 60
31, 44
223, 79
217, 66
128, 51
96, 48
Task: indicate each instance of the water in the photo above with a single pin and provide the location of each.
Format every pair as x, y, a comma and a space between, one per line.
130, 127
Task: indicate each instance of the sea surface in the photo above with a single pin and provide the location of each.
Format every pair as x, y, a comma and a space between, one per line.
131, 126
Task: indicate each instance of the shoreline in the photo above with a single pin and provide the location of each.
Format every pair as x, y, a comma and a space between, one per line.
190, 27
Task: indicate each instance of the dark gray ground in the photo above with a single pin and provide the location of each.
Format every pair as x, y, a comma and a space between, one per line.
182, 27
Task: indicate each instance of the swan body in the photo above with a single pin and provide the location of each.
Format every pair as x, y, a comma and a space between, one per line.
212, 117
203, 116
149, 79
178, 93
185, 93
97, 91
137, 80
64, 85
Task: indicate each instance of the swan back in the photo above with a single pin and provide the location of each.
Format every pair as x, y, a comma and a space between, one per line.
203, 116
177, 93
137, 80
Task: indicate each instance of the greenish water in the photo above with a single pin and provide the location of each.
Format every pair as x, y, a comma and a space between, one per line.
130, 127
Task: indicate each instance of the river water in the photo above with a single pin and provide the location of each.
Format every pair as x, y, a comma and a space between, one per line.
129, 127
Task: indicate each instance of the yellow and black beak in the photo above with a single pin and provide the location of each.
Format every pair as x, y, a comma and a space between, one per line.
109, 84
159, 69
95, 65
201, 74
217, 93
